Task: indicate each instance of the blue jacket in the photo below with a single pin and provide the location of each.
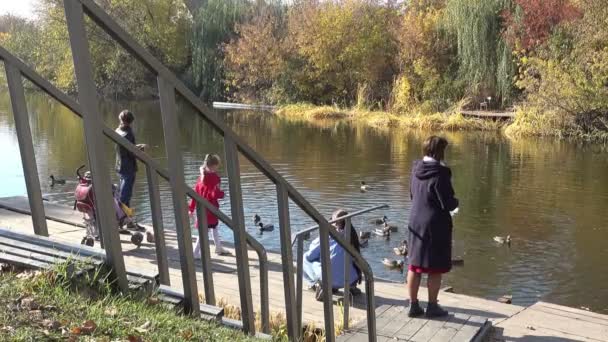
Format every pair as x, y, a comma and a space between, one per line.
336, 254
126, 163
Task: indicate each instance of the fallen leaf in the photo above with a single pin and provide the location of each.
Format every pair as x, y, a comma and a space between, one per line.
76, 331
153, 300
143, 328
36, 315
88, 327
28, 303
112, 312
133, 338
51, 324
187, 334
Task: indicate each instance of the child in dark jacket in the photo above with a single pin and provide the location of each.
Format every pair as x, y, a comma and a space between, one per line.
208, 186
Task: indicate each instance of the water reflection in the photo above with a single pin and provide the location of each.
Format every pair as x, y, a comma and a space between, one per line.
550, 196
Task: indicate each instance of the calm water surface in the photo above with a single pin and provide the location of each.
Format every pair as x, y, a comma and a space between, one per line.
551, 197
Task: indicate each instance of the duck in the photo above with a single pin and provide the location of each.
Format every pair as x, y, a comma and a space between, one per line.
379, 221
502, 240
457, 261
364, 187
256, 219
402, 249
265, 227
393, 264
386, 233
506, 299
56, 181
390, 227
364, 235
363, 242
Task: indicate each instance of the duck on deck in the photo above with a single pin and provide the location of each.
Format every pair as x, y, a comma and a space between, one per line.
470, 317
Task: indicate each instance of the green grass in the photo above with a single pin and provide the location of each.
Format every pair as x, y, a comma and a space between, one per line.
62, 312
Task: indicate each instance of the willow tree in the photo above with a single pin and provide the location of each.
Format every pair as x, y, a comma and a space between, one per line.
485, 59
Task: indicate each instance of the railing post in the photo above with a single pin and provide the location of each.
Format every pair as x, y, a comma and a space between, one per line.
371, 307
157, 226
168, 112
87, 96
299, 281
26, 147
347, 267
287, 261
326, 281
240, 242
203, 233
264, 296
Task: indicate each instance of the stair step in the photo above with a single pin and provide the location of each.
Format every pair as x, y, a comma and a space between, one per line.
216, 313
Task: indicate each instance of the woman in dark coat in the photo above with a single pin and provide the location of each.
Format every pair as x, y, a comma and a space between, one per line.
430, 226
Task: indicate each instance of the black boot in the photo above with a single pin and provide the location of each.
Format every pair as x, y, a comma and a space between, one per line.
415, 310
434, 310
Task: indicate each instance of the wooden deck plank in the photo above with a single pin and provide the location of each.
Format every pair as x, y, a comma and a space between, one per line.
468, 331
411, 328
430, 329
450, 328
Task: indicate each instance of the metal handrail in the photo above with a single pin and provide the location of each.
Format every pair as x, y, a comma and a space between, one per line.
302, 235
307, 231
168, 85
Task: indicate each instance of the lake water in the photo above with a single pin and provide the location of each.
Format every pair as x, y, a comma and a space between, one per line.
551, 197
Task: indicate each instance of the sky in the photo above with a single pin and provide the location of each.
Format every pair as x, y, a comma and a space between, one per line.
22, 8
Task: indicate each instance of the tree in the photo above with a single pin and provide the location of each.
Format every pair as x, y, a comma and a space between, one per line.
341, 46
485, 59
531, 22
214, 25
256, 60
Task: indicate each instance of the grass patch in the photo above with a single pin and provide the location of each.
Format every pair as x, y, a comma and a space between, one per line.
42, 306
449, 121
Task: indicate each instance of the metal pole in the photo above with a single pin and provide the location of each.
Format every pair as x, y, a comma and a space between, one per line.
328, 305
157, 226
264, 296
87, 96
240, 239
26, 147
371, 307
347, 267
203, 233
299, 281
168, 112
287, 261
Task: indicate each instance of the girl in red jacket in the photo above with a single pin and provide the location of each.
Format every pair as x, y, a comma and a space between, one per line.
208, 186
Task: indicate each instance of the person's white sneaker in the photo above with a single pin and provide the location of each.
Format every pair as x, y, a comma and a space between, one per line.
221, 252
197, 249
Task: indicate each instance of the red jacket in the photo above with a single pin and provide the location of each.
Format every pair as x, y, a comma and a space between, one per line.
208, 186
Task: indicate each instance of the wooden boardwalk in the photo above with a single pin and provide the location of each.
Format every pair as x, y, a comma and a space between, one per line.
467, 312
488, 114
393, 324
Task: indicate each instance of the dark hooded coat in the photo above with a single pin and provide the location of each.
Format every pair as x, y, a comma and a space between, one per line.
430, 225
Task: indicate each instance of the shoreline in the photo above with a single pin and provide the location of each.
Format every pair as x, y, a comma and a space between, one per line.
525, 123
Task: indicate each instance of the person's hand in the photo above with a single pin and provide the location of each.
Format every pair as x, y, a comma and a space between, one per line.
190, 213
142, 147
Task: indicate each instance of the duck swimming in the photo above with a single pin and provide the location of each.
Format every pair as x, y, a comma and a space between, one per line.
56, 181
390, 227
503, 240
379, 221
393, 264
364, 187
265, 227
365, 235
401, 250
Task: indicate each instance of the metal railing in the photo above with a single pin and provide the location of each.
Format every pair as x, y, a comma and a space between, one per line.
304, 234
87, 107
